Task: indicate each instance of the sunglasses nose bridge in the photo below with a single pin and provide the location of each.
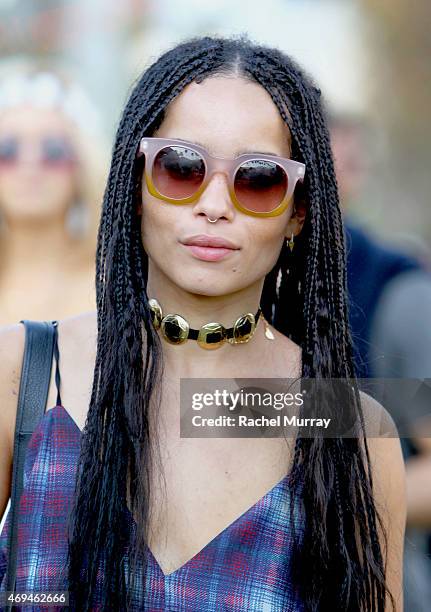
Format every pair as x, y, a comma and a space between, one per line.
218, 165
215, 197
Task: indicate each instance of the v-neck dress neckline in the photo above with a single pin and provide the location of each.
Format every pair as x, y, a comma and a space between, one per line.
246, 567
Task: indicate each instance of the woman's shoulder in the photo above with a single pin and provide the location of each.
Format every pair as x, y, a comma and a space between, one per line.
389, 485
77, 344
12, 339
378, 421
77, 340
384, 449
78, 331
383, 442
12, 336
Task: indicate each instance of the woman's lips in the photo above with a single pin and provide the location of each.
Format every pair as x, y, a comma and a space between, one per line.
207, 253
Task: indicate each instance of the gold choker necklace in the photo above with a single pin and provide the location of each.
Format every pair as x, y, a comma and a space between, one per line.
176, 330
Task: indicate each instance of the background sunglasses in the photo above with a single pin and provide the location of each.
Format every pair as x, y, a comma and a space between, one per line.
52, 151
178, 171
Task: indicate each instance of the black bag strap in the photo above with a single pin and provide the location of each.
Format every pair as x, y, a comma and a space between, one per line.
40, 337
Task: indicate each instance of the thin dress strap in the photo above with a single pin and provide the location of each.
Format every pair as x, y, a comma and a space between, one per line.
57, 359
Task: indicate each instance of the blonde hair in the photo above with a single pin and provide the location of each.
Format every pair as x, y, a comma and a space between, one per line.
26, 81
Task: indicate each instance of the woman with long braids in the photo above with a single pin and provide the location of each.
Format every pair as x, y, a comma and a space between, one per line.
221, 206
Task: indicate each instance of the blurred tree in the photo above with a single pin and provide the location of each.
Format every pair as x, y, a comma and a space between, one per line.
400, 41
92, 36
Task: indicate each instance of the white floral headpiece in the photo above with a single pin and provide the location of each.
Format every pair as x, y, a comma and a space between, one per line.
45, 90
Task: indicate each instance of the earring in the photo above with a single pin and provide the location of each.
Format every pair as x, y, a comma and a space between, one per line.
290, 243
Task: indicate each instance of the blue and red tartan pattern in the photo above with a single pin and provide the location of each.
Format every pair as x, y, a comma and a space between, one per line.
246, 567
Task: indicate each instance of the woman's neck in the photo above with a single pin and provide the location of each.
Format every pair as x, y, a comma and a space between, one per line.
190, 359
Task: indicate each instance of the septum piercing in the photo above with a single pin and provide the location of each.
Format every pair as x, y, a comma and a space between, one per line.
211, 220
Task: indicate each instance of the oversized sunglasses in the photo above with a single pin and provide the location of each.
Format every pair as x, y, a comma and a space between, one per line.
178, 171
52, 152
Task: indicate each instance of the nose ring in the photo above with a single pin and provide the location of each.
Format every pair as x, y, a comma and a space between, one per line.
211, 220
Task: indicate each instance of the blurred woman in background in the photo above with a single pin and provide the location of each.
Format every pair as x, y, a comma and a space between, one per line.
51, 181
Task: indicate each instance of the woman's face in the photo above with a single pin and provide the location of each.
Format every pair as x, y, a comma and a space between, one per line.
38, 170
228, 116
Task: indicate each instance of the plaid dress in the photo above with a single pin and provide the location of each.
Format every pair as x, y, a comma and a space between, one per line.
244, 568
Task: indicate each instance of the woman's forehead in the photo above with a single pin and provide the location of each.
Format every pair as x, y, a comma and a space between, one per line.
227, 115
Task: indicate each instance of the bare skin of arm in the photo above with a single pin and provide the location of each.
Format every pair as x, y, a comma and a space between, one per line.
390, 496
418, 470
12, 339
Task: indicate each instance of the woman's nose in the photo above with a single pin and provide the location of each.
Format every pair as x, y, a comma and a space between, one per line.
215, 200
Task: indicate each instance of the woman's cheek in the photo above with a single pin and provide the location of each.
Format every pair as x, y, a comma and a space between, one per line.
265, 251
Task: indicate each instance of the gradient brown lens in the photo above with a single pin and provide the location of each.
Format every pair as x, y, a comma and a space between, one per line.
178, 172
260, 185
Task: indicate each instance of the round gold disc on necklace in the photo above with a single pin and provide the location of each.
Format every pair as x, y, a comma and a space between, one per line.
175, 328
211, 336
156, 312
243, 328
